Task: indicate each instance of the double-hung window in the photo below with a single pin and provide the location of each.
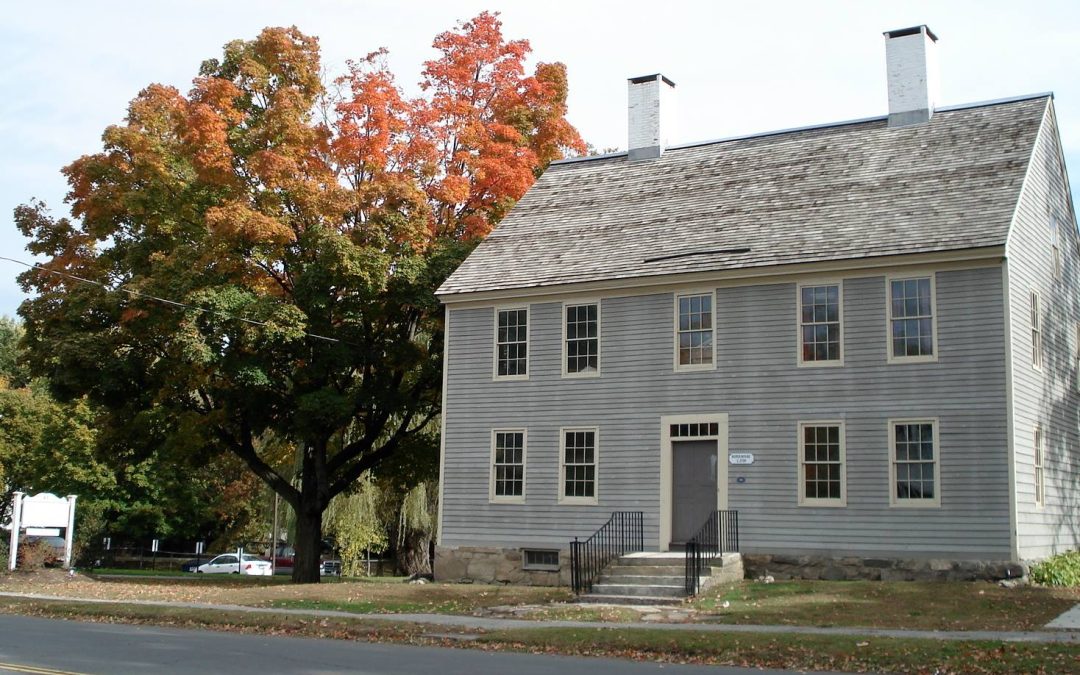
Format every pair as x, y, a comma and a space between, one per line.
507, 465
1040, 476
913, 465
1036, 331
512, 343
821, 464
911, 319
579, 461
695, 344
820, 321
581, 339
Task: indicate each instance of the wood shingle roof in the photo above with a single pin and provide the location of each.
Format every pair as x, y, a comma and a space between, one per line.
847, 191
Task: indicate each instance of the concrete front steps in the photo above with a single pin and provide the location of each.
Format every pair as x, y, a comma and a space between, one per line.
657, 578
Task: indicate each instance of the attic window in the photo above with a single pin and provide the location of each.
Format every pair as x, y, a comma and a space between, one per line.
719, 251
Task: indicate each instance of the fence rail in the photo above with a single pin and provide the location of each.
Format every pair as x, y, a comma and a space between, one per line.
719, 535
623, 533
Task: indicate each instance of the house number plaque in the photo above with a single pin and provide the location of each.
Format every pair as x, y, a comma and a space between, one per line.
741, 458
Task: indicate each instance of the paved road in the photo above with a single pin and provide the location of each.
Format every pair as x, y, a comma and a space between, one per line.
50, 646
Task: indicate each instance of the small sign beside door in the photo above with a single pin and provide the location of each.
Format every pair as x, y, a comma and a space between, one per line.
741, 458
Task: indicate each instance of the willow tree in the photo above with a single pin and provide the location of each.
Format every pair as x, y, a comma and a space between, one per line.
258, 256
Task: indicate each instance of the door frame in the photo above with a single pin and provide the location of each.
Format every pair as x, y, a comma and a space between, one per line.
666, 461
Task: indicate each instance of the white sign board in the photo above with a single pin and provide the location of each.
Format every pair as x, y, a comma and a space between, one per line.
741, 458
45, 510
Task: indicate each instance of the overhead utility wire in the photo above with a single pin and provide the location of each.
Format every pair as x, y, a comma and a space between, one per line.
166, 301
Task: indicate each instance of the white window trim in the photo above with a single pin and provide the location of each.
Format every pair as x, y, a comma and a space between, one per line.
889, 278
509, 499
711, 292
599, 323
1035, 318
586, 501
896, 502
495, 344
1038, 476
839, 283
817, 501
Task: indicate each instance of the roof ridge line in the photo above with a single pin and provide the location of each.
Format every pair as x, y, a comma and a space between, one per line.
811, 127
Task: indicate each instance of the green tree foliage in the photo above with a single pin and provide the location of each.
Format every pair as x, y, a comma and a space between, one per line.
355, 520
304, 232
125, 478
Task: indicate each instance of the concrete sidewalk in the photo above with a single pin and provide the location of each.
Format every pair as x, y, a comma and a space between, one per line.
481, 623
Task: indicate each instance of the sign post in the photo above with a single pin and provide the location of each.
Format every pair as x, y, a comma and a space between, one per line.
198, 553
69, 535
154, 549
16, 519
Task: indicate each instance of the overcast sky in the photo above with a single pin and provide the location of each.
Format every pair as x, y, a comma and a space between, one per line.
70, 68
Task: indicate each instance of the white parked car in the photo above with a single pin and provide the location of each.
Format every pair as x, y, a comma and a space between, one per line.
228, 564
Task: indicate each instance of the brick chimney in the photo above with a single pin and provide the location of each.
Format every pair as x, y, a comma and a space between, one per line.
911, 65
651, 115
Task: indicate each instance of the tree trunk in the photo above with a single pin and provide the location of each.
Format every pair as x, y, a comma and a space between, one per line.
412, 555
313, 501
308, 545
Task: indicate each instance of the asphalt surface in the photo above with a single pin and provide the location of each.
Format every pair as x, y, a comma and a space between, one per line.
52, 647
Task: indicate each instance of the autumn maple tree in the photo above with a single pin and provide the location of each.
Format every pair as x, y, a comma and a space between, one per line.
263, 251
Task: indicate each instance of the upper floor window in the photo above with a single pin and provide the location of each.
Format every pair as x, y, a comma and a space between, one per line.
578, 466
512, 343
581, 346
1036, 331
821, 464
694, 332
820, 319
911, 319
913, 465
507, 465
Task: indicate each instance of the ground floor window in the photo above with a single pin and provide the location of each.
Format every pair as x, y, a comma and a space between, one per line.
1040, 483
507, 465
821, 464
578, 466
913, 447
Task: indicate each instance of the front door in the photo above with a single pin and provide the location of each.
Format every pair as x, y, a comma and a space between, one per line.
693, 487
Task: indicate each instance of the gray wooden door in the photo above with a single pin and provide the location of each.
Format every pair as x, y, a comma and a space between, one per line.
693, 488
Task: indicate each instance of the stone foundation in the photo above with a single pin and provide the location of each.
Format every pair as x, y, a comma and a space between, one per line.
878, 569
491, 565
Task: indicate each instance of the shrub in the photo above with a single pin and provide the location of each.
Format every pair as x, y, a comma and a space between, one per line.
34, 555
1059, 570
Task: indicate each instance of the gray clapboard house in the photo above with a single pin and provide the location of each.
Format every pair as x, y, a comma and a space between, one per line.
862, 337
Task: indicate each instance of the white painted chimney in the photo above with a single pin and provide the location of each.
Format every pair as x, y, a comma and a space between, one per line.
912, 71
651, 115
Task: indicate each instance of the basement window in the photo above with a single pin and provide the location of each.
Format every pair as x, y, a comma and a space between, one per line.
540, 560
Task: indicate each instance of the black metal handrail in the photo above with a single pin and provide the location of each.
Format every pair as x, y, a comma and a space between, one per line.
623, 533
719, 534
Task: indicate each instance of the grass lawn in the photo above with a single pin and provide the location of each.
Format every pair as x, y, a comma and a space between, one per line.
800, 652
883, 604
797, 652
367, 595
